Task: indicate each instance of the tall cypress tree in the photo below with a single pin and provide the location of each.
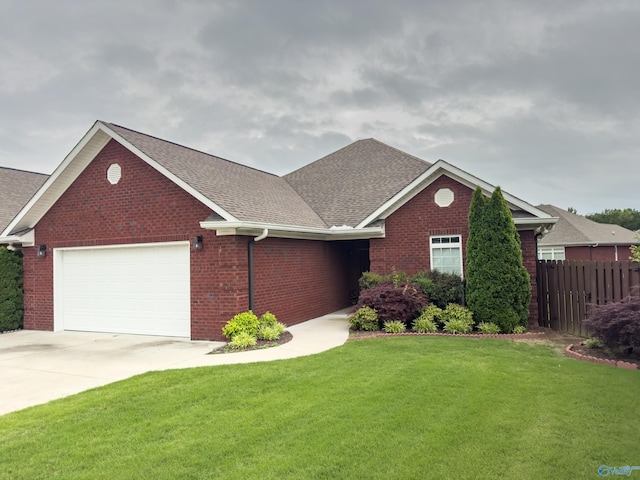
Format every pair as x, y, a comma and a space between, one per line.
498, 284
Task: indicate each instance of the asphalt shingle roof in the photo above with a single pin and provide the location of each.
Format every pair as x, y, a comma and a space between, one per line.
348, 185
573, 229
246, 193
16, 189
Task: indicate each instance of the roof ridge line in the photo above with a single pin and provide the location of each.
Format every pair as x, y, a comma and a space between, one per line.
189, 148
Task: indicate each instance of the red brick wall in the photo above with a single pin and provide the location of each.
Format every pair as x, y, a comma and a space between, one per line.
600, 253
143, 207
297, 280
406, 243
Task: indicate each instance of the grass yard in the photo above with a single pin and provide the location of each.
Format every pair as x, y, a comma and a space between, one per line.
385, 408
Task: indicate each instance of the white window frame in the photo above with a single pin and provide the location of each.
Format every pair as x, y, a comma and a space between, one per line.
554, 251
452, 241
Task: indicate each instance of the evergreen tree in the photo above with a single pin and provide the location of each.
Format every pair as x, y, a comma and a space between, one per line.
498, 284
11, 295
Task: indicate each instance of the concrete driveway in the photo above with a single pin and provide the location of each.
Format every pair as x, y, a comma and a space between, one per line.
36, 367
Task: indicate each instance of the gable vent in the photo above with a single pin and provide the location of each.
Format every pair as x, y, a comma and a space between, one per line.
444, 197
114, 173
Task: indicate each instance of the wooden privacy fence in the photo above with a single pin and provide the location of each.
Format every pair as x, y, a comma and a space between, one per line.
567, 289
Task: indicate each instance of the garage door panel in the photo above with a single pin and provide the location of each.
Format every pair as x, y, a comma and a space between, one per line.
129, 289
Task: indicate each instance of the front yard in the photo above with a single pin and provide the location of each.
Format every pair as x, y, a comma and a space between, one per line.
409, 407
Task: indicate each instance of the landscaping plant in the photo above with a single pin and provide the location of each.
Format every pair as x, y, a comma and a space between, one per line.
403, 302
394, 326
498, 285
245, 322
424, 325
11, 294
488, 328
617, 325
456, 319
365, 318
441, 288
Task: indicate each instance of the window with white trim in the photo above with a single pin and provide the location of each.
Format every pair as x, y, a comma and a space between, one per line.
551, 253
446, 254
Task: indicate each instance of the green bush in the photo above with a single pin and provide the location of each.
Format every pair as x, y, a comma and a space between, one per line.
394, 326
370, 279
498, 284
268, 319
457, 325
246, 322
519, 329
364, 318
593, 343
11, 293
431, 312
269, 332
424, 325
243, 340
456, 312
488, 328
456, 319
440, 288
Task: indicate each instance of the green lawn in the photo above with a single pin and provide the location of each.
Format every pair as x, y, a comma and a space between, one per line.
407, 407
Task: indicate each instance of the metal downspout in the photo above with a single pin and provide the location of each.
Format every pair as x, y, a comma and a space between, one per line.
262, 236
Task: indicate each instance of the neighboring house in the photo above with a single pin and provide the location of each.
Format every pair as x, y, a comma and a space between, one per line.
133, 234
16, 188
577, 238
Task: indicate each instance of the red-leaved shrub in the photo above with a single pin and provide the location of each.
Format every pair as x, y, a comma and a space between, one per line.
617, 325
404, 302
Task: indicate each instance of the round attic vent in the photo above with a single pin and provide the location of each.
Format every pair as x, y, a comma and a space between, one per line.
444, 197
114, 173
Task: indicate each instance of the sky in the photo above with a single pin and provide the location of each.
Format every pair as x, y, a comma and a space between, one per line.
539, 97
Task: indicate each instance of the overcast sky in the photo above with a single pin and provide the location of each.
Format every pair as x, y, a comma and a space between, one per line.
539, 97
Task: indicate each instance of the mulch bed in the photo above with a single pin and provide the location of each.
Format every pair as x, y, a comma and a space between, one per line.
261, 344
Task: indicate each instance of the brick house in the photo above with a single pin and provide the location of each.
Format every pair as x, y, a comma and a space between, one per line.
575, 237
134, 234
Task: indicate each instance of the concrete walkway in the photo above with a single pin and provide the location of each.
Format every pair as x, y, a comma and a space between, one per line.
37, 367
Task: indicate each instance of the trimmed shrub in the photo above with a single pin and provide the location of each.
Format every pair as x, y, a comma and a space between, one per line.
498, 284
617, 325
456, 319
11, 293
488, 328
424, 325
268, 319
364, 318
370, 279
246, 322
394, 326
403, 303
431, 312
243, 340
440, 288
456, 312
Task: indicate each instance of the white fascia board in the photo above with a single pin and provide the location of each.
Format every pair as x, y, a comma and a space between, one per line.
434, 172
71, 167
24, 239
292, 231
185, 186
532, 223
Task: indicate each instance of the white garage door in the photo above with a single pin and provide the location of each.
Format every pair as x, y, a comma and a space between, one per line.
139, 289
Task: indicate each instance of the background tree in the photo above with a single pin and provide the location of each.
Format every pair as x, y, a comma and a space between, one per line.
498, 284
627, 218
11, 294
635, 250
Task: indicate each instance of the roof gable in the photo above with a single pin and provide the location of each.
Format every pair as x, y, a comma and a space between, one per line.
16, 187
573, 229
524, 214
346, 186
